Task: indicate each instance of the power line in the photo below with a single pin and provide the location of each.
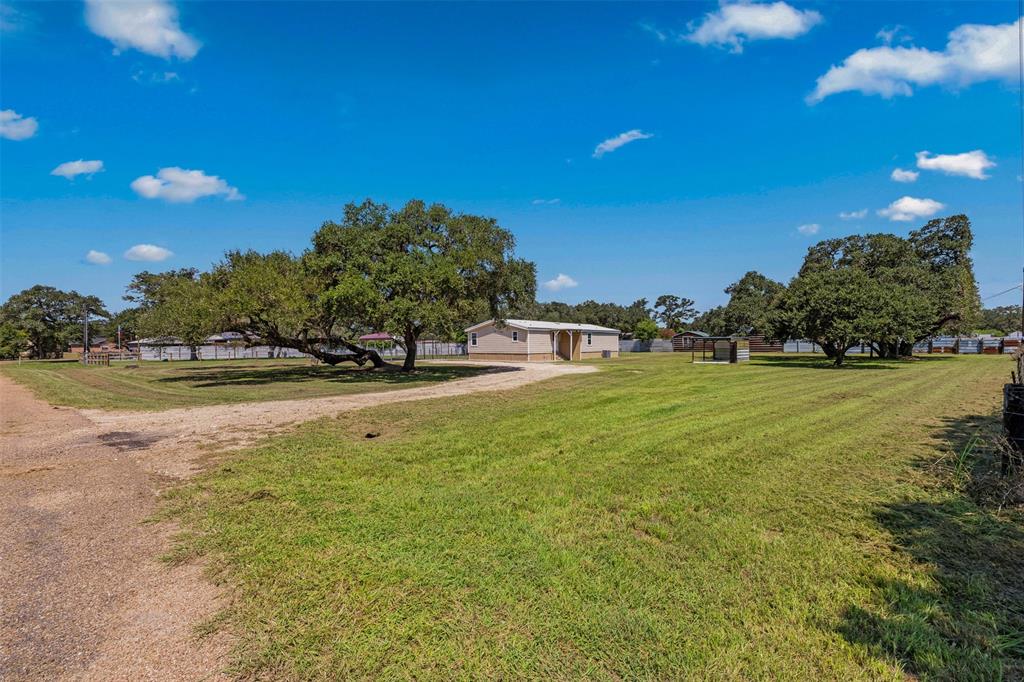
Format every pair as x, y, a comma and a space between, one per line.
1015, 286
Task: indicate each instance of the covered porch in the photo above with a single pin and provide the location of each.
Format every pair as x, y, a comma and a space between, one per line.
566, 344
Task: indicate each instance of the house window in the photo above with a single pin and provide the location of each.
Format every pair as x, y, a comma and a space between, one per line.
515, 336
590, 339
472, 338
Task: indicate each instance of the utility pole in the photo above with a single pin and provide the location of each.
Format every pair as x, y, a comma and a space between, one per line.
85, 335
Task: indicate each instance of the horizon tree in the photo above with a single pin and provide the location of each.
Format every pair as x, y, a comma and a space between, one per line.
674, 311
50, 318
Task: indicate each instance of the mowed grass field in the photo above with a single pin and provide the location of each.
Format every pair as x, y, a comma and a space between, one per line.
656, 520
164, 385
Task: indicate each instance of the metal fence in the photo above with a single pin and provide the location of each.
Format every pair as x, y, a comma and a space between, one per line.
655, 346
424, 350
427, 349
940, 344
216, 352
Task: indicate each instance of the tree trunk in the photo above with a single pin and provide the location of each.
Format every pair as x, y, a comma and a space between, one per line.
410, 352
358, 355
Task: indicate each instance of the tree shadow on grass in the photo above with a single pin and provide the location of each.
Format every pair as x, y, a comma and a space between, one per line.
850, 363
964, 620
200, 377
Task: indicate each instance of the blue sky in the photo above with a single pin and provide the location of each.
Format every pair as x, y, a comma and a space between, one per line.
734, 135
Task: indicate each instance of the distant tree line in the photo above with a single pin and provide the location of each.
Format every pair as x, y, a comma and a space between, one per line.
1000, 321
425, 270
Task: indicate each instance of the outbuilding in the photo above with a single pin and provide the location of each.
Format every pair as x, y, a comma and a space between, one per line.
540, 341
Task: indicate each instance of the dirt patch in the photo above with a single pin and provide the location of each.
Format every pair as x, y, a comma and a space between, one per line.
127, 440
83, 594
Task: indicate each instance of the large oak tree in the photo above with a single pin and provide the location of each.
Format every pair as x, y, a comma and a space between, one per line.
50, 319
420, 269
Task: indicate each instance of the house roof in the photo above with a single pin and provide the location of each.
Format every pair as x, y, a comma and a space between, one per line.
376, 336
226, 336
157, 341
542, 325
692, 332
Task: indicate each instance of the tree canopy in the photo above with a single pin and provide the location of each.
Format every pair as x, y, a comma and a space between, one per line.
420, 269
887, 290
752, 308
1002, 320
674, 311
48, 319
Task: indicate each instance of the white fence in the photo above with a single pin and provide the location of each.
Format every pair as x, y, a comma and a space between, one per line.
655, 346
212, 352
424, 349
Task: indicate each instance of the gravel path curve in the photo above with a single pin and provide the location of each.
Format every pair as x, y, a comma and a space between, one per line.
82, 593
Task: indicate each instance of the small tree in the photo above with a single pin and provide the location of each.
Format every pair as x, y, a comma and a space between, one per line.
645, 330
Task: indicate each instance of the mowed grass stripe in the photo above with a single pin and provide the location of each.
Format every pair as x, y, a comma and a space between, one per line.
607, 526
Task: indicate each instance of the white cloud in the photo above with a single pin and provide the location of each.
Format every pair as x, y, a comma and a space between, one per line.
906, 209
853, 215
970, 164
71, 169
900, 175
662, 36
973, 53
150, 26
147, 252
12, 20
545, 202
156, 77
14, 126
563, 281
97, 257
809, 229
613, 143
890, 34
181, 185
734, 23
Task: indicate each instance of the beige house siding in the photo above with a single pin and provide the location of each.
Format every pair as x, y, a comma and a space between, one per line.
492, 340
502, 357
540, 343
493, 343
600, 342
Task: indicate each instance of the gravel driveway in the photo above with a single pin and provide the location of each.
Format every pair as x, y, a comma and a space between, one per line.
82, 593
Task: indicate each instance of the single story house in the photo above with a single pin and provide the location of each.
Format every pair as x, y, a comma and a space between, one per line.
539, 341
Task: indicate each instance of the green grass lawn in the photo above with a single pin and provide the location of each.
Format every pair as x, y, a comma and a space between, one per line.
657, 520
163, 385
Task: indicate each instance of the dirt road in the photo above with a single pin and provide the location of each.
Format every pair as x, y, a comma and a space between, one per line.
82, 592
